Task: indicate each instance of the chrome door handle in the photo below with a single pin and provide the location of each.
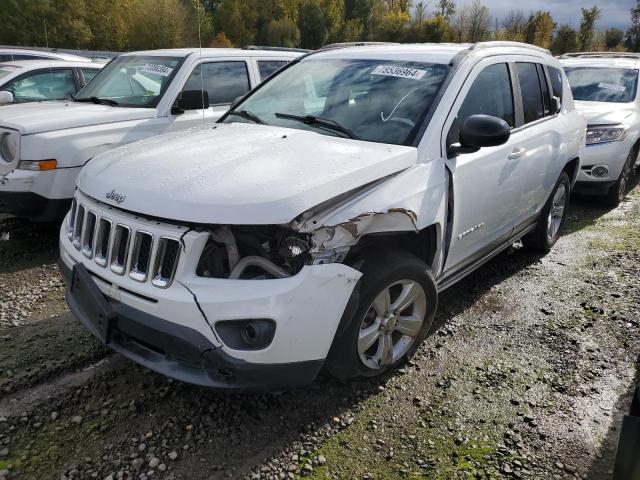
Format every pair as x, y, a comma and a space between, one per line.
517, 153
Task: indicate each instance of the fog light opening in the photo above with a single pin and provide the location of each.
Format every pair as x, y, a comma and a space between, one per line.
599, 171
249, 334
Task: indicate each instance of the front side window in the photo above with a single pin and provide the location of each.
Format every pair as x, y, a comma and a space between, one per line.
590, 84
89, 73
490, 94
44, 85
223, 81
532, 101
132, 80
269, 67
374, 100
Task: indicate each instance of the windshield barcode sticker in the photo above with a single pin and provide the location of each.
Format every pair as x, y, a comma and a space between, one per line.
161, 70
609, 86
400, 72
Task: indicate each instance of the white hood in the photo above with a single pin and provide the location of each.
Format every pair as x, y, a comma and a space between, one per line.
604, 113
39, 117
237, 173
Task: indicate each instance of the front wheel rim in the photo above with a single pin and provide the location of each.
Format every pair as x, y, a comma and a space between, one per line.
391, 324
556, 214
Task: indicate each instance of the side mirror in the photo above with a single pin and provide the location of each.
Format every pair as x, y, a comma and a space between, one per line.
191, 100
6, 97
556, 105
479, 131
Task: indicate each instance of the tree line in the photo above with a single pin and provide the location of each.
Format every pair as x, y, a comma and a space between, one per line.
149, 24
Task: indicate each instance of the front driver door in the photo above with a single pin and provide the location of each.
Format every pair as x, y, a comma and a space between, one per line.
487, 185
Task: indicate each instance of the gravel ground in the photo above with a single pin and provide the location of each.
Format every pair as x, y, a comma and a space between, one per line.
527, 373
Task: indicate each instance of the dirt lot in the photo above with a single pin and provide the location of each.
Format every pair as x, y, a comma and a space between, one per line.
527, 374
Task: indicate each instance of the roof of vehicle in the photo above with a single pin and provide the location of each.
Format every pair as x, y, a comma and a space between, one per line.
220, 52
26, 65
431, 52
601, 59
43, 53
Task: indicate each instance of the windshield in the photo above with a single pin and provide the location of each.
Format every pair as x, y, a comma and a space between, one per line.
132, 81
617, 85
375, 100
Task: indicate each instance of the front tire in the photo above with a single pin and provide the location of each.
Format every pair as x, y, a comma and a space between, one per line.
388, 316
619, 190
552, 218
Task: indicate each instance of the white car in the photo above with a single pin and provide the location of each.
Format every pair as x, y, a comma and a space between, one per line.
40, 80
12, 54
316, 223
135, 96
605, 87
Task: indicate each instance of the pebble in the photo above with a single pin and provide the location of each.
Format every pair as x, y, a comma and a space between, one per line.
154, 462
173, 455
76, 419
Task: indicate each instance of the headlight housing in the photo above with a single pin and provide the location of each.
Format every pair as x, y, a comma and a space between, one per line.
9, 146
596, 135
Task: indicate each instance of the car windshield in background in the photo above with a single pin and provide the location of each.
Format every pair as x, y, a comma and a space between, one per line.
617, 85
7, 70
131, 81
375, 100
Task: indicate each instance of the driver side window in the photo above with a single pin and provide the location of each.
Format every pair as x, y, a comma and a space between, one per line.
490, 94
49, 85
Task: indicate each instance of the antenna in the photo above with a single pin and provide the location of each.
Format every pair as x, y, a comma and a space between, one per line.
46, 42
199, 6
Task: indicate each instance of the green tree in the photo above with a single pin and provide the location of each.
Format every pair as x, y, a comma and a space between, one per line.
613, 38
446, 9
587, 32
312, 25
633, 34
282, 33
565, 40
540, 29
515, 26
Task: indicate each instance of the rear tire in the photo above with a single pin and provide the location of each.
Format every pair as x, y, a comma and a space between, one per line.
389, 314
552, 218
619, 190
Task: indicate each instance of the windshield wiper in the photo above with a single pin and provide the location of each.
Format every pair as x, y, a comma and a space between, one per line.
247, 115
321, 122
96, 100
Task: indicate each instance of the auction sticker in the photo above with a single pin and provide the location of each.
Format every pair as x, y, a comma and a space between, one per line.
610, 86
400, 72
161, 70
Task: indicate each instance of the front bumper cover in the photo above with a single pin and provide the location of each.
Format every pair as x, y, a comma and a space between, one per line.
171, 349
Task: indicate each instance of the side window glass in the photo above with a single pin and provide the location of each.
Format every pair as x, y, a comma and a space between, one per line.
223, 81
5, 58
490, 94
88, 74
546, 95
531, 93
269, 67
556, 82
54, 85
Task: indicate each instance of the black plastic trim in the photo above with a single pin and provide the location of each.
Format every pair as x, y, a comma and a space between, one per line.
33, 207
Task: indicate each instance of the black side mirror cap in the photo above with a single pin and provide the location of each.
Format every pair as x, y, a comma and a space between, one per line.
480, 131
191, 100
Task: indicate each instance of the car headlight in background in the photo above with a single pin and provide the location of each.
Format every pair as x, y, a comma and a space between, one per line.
37, 165
597, 135
9, 146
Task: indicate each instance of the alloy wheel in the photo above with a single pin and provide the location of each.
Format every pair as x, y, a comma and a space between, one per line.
556, 214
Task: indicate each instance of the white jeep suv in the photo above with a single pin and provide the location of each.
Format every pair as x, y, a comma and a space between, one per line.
136, 96
316, 223
605, 88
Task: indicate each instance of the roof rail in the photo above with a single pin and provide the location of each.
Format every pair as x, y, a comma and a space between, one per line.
501, 43
331, 46
275, 49
600, 55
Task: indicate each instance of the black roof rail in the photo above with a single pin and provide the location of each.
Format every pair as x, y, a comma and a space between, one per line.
275, 49
331, 46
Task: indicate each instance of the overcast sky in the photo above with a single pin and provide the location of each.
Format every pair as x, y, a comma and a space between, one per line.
615, 13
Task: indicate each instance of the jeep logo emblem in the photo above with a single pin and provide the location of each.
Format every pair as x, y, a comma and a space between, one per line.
116, 197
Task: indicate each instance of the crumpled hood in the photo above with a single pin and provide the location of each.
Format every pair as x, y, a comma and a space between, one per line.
36, 117
604, 113
237, 173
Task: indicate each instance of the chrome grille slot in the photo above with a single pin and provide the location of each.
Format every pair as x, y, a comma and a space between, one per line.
89, 234
120, 248
102, 242
141, 256
72, 218
77, 228
166, 262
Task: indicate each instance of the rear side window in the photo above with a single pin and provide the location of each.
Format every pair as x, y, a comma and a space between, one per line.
89, 73
531, 92
223, 81
6, 58
490, 94
269, 67
29, 57
557, 86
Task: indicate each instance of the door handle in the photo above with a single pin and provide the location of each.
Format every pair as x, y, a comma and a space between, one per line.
517, 153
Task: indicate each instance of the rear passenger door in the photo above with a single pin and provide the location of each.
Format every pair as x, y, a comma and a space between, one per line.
539, 135
487, 184
224, 81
